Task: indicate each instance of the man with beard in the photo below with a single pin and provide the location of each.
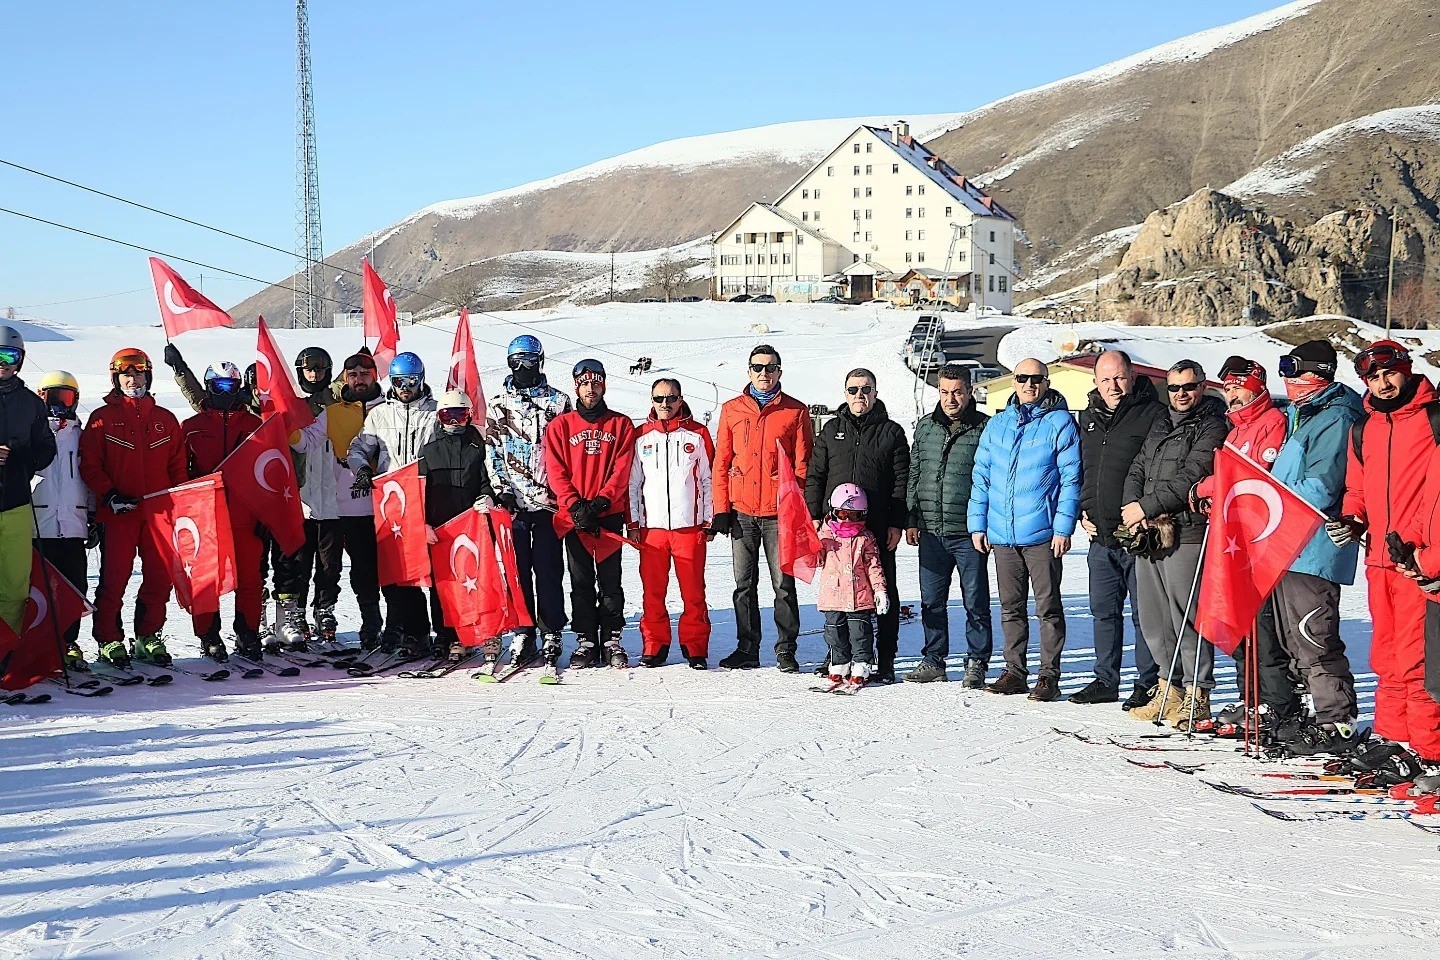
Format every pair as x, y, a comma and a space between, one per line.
863, 446
1123, 408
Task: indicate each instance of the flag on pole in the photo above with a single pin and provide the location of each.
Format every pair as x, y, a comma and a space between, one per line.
799, 543
190, 527
380, 322
399, 534
277, 390
464, 374
260, 474
1258, 527
182, 307
52, 608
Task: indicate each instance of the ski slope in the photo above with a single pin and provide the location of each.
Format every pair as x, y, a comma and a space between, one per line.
660, 813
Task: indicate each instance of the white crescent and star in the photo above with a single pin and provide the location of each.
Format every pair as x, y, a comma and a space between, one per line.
1274, 508
265, 460
263, 386
185, 523
392, 487
170, 299
463, 542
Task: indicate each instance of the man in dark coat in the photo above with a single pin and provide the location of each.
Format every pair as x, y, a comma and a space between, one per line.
863, 446
26, 447
942, 459
1123, 407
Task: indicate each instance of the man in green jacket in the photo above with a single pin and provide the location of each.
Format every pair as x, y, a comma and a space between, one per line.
942, 458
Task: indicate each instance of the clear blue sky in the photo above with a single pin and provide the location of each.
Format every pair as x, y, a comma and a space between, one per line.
189, 106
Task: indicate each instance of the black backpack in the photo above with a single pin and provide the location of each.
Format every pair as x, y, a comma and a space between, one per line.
1357, 429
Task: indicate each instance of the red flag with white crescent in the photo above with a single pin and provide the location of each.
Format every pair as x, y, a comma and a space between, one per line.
458, 557
275, 383
464, 374
380, 322
799, 543
182, 307
511, 611
260, 474
190, 528
1258, 526
399, 504
51, 609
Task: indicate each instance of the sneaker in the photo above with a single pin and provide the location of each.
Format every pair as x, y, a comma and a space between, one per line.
1047, 690
698, 663
213, 647
1009, 684
587, 653
1163, 695
247, 645
75, 657
1096, 691
786, 663
926, 672
975, 670
115, 654
652, 660
615, 653
740, 660
1138, 697
151, 649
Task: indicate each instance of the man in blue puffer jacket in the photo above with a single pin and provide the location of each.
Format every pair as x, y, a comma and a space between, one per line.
1024, 504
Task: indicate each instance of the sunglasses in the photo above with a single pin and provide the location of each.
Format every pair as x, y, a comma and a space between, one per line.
523, 361
861, 391
844, 514
11, 356
1368, 362
1182, 387
1031, 377
130, 363
225, 385
666, 400
453, 416
764, 368
405, 382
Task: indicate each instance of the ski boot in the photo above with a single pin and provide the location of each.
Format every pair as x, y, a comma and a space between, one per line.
75, 658
456, 651
656, 659
587, 653
490, 657
213, 647
291, 630
615, 653
698, 663
151, 649
550, 649
326, 626
247, 645
522, 647
1335, 739
115, 654
370, 637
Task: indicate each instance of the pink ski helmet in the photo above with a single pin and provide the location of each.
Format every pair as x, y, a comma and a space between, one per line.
848, 496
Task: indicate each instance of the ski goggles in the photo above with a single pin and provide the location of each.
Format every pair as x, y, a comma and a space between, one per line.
1293, 367
405, 381
224, 385
11, 356
523, 361
1382, 356
453, 416
65, 397
587, 371
843, 514
130, 363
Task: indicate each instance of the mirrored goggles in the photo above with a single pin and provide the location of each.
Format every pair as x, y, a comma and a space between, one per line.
224, 385
405, 382
453, 416
11, 356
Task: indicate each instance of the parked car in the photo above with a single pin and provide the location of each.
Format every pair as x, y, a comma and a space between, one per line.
651, 300
740, 298
831, 299
691, 299
763, 298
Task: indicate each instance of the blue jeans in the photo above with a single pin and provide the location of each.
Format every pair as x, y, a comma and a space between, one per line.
1112, 579
939, 559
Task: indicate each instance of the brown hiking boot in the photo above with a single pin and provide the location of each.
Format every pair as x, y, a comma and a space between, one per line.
1009, 684
1047, 689
1151, 710
1200, 699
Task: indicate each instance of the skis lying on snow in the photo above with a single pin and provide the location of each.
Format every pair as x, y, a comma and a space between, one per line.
391, 661
270, 668
22, 699
1357, 812
210, 677
842, 687
442, 669
90, 688
549, 674
1153, 743
1190, 769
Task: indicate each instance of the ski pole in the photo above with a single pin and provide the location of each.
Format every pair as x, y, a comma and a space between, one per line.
1180, 634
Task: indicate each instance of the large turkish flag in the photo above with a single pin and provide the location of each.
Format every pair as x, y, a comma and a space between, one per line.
260, 473
399, 503
182, 307
275, 383
464, 374
380, 321
799, 543
190, 525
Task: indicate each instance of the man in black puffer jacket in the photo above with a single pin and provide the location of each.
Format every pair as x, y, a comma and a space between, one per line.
863, 446
1177, 455
1123, 407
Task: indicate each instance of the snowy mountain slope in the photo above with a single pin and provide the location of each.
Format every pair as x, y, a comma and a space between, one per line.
660, 813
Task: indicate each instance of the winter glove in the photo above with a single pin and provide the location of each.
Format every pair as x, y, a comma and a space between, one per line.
172, 357
508, 501
1402, 554
586, 520
1430, 586
119, 503
882, 605
1344, 530
92, 535
601, 506
364, 481
484, 505
723, 523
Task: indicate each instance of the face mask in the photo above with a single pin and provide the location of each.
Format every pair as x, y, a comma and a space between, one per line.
454, 429
526, 377
845, 529
57, 424
134, 393
1302, 388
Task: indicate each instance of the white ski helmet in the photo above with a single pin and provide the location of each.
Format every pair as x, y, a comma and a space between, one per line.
451, 399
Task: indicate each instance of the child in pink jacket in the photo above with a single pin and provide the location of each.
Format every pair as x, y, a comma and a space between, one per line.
851, 588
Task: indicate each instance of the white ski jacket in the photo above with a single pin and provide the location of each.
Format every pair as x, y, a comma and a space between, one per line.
670, 475
63, 503
393, 433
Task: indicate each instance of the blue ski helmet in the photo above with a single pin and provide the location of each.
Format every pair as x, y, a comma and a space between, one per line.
525, 343
407, 365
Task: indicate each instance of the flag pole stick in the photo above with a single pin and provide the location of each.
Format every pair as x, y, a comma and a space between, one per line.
1180, 635
1252, 714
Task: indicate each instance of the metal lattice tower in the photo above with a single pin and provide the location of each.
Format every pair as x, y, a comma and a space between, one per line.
309, 250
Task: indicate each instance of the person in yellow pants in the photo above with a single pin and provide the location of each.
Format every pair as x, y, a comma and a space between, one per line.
26, 447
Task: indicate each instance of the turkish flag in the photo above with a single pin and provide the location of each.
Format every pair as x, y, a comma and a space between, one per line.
182, 307
510, 611
1258, 526
476, 576
799, 543
190, 527
380, 318
268, 491
399, 504
52, 608
602, 544
464, 375
278, 392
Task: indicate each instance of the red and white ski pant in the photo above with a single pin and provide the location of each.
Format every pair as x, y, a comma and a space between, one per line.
686, 549
125, 536
1404, 711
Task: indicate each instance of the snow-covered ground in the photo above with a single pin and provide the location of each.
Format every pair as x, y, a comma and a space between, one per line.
659, 813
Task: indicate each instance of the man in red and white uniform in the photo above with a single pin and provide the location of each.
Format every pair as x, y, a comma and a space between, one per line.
671, 507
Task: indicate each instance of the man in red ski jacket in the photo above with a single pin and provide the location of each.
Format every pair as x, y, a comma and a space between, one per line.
211, 435
131, 447
1389, 453
588, 453
671, 508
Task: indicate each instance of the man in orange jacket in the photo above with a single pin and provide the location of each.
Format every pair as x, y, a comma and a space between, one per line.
746, 487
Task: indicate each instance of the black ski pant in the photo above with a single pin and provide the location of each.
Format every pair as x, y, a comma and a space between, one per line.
292, 573
746, 537
1308, 608
355, 537
67, 555
407, 612
597, 598
541, 562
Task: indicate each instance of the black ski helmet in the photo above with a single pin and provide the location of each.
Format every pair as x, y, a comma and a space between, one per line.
313, 358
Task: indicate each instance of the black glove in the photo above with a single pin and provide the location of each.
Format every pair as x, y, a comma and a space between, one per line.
601, 506
1402, 554
173, 360
582, 514
723, 523
508, 501
120, 503
261, 531
1344, 529
92, 534
364, 481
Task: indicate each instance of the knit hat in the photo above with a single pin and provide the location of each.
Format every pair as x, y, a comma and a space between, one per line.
1317, 357
1240, 372
1383, 355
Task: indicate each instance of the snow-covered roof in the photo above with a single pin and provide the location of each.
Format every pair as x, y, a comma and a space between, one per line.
941, 174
